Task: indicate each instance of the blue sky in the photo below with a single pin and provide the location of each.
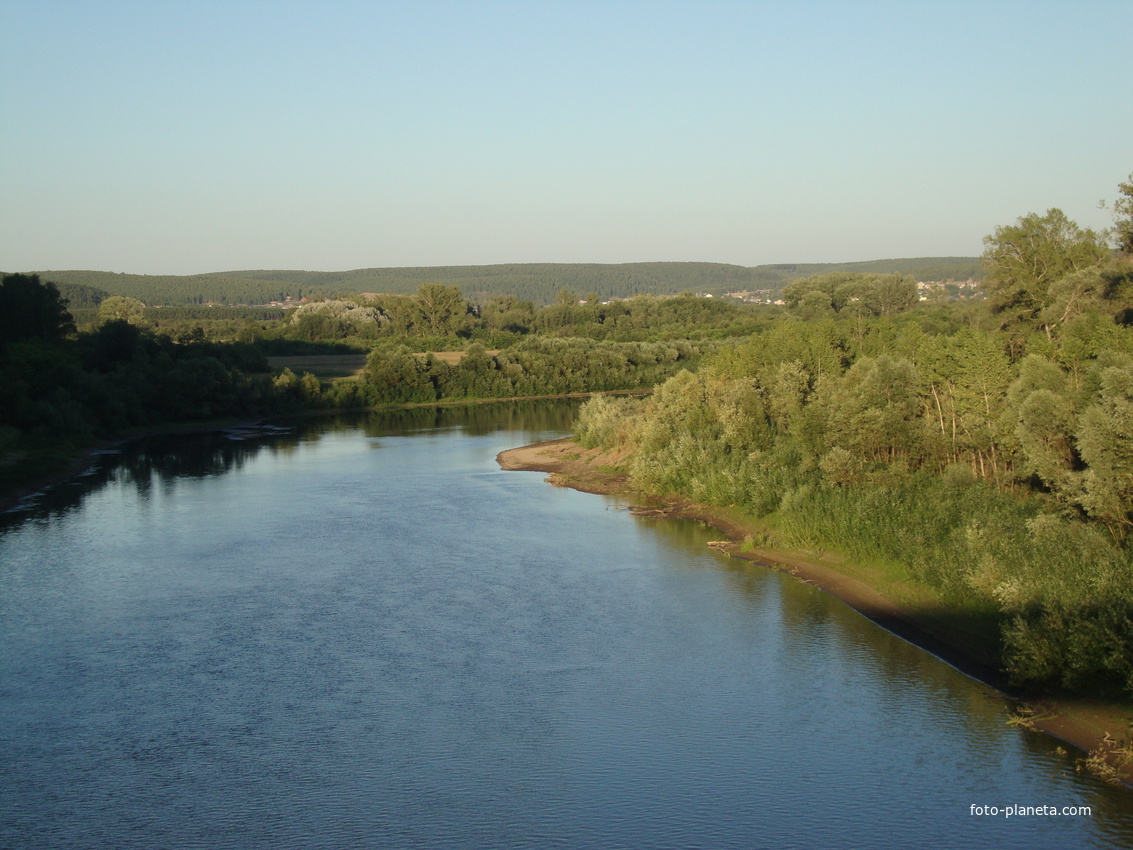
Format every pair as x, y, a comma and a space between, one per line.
166, 137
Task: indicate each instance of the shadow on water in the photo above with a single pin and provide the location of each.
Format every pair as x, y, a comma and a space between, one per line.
158, 460
899, 657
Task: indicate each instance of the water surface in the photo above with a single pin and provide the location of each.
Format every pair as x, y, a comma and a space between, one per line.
362, 633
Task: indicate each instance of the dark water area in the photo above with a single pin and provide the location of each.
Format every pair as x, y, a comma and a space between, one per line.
359, 632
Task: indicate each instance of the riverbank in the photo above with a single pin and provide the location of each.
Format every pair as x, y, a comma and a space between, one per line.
1099, 730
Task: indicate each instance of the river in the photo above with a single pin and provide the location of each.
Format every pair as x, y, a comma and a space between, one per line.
360, 632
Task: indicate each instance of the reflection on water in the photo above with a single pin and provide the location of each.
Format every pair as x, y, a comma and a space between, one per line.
152, 461
362, 633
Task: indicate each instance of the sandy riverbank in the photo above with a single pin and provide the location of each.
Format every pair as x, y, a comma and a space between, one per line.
1091, 727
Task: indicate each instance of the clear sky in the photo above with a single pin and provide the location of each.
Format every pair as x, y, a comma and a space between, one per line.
166, 137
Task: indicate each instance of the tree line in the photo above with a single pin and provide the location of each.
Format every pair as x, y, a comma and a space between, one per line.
440, 316
65, 387
437, 318
536, 282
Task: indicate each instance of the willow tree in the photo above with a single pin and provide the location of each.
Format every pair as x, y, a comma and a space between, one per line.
120, 308
1105, 441
1024, 261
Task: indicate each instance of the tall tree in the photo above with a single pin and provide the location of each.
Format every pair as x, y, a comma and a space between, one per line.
1105, 440
874, 410
32, 309
441, 306
121, 308
1123, 216
1023, 260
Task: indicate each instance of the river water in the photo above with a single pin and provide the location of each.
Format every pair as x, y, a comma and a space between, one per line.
362, 633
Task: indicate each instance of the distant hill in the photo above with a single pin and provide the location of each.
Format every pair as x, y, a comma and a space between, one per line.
80, 297
179, 290
538, 282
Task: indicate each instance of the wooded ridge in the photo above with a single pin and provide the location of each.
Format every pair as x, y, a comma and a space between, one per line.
536, 282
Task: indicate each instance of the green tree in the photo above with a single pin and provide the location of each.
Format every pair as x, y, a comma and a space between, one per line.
440, 306
788, 393
815, 304
1025, 259
120, 308
851, 293
875, 410
1046, 425
966, 377
1123, 217
32, 309
336, 319
887, 294
397, 377
831, 285
1105, 441
508, 313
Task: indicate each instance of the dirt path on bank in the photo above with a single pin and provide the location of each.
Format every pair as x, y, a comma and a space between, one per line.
1094, 727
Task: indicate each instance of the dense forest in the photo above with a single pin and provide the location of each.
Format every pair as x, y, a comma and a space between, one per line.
989, 457
539, 283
